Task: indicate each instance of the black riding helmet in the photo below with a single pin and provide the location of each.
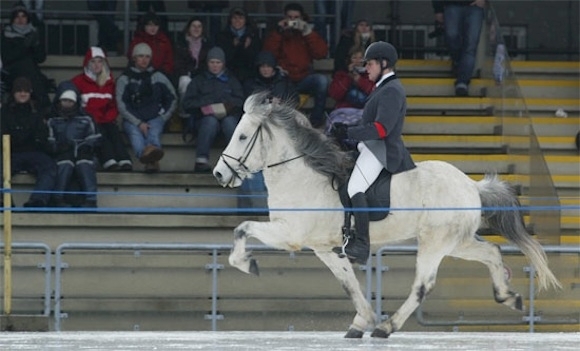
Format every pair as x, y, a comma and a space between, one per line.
380, 51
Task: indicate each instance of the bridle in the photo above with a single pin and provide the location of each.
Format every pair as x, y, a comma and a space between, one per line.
244, 157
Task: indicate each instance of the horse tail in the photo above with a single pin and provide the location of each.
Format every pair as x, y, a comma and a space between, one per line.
497, 197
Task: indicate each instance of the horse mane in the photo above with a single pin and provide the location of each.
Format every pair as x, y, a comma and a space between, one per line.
321, 153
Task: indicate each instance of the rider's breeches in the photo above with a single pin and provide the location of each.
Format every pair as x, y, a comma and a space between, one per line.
365, 172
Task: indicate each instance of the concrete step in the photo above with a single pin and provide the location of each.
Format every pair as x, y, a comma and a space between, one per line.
548, 69
530, 88
555, 126
454, 125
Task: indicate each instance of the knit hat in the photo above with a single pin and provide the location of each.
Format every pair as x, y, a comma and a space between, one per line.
266, 58
142, 49
68, 94
21, 84
216, 53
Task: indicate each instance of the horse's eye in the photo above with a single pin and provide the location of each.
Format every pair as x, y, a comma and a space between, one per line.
243, 137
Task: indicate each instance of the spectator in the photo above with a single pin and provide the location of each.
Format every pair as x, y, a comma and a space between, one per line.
22, 51
190, 59
148, 32
241, 43
109, 34
295, 45
328, 7
211, 9
215, 98
37, 6
462, 21
156, 6
190, 53
97, 88
268, 78
146, 100
350, 88
28, 141
361, 36
72, 138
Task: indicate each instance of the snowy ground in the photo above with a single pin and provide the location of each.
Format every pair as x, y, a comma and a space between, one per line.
286, 341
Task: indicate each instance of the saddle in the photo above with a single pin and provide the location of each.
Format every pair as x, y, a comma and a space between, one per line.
378, 196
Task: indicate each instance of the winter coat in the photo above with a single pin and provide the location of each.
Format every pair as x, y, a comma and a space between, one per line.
22, 52
97, 101
25, 126
387, 106
185, 64
75, 133
162, 58
207, 88
278, 85
342, 83
240, 59
294, 52
144, 95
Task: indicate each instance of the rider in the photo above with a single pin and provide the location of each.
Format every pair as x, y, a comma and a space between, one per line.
378, 138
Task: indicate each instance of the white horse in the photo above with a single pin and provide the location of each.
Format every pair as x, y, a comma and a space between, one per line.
301, 166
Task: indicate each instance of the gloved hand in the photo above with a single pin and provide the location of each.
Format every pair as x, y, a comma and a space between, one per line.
339, 131
304, 27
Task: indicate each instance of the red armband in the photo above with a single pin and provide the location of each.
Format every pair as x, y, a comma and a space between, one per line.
381, 130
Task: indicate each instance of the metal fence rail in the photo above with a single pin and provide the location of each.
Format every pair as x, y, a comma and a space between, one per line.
46, 266
215, 267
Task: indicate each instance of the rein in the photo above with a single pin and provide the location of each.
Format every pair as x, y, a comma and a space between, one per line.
242, 159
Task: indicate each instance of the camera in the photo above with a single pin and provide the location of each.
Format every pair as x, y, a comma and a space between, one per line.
292, 24
359, 69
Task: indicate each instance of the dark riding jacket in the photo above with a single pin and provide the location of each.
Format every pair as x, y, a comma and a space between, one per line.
381, 126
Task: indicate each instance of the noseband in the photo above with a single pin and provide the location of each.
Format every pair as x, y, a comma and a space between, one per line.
244, 157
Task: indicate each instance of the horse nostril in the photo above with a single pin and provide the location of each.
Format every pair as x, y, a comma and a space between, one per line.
218, 175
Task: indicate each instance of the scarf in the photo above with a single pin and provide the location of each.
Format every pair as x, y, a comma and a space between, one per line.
238, 33
17, 31
194, 49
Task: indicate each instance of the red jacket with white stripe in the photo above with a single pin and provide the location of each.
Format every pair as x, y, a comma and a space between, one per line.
97, 101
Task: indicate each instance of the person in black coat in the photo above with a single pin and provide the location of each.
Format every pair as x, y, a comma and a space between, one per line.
269, 78
22, 52
241, 43
28, 141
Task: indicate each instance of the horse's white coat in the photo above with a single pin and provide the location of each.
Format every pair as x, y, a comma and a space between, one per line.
295, 185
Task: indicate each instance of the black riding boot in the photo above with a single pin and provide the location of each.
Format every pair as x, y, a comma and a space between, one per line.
358, 248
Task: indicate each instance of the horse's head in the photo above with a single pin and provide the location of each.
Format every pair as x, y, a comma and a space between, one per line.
245, 151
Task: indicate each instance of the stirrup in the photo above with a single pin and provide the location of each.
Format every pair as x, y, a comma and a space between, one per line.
346, 236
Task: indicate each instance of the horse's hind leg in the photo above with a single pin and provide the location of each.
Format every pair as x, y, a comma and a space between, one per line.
490, 255
342, 270
425, 275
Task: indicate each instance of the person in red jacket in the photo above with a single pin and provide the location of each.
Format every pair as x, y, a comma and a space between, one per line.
295, 46
149, 33
97, 88
350, 88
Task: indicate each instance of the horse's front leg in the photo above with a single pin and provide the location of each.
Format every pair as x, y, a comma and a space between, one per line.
271, 233
342, 270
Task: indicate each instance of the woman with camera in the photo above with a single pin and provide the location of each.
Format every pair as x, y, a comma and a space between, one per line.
350, 88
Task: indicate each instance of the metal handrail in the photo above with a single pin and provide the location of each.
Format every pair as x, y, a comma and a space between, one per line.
46, 266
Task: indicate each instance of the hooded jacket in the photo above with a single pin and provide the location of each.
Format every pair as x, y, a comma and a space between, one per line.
98, 101
278, 85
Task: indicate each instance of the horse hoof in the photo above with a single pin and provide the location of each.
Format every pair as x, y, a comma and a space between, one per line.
254, 267
354, 334
379, 333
